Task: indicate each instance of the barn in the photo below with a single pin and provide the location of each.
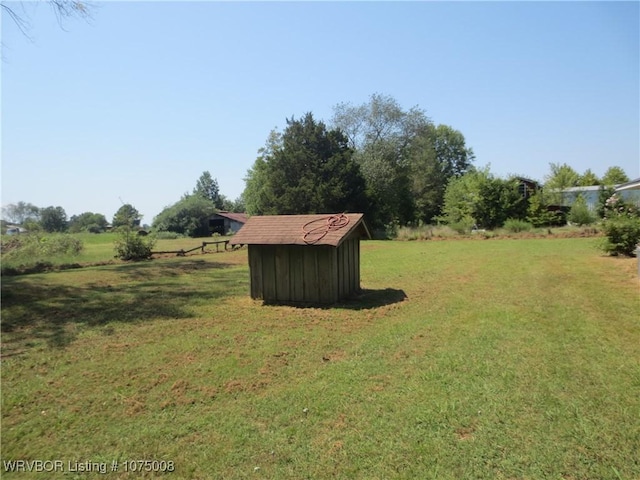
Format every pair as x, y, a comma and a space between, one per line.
225, 223
310, 259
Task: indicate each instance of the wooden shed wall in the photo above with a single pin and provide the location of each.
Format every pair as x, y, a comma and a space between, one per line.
300, 274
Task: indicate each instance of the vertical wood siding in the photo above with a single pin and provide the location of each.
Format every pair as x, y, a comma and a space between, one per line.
304, 274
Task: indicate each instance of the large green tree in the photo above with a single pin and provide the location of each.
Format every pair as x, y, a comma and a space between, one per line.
126, 216
588, 179
53, 219
614, 176
406, 160
437, 155
189, 216
207, 187
561, 176
19, 213
481, 199
381, 132
307, 169
88, 222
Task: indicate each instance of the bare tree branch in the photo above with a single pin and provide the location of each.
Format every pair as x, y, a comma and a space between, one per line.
62, 9
22, 24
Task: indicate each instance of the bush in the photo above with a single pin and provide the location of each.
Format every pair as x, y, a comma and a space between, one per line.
622, 235
34, 246
131, 246
580, 213
166, 235
514, 225
463, 227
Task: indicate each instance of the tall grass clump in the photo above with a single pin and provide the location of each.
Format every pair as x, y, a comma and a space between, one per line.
515, 225
423, 232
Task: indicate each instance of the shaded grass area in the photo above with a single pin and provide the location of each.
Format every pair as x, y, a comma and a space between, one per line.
99, 250
467, 359
54, 307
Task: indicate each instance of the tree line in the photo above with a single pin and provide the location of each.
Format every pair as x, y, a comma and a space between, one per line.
400, 169
375, 158
54, 219
396, 166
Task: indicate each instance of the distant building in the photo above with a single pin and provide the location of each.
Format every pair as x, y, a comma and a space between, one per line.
15, 230
629, 192
527, 187
225, 223
632, 185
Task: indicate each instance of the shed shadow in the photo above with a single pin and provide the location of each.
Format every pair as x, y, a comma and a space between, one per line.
366, 299
373, 298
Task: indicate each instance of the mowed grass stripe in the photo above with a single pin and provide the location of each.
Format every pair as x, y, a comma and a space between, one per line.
507, 359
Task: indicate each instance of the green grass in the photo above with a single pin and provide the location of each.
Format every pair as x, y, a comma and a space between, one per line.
471, 359
98, 249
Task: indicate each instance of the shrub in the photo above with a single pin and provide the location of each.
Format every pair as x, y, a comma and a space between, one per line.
514, 225
130, 246
539, 214
580, 213
622, 235
463, 227
616, 207
166, 235
34, 246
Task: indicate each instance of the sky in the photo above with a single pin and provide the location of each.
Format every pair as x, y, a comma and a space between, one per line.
135, 104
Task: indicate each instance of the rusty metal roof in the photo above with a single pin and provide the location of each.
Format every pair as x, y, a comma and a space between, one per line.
320, 229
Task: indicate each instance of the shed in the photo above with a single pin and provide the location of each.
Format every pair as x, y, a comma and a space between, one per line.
303, 258
226, 222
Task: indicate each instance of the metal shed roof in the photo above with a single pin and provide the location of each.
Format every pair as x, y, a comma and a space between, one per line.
319, 229
632, 185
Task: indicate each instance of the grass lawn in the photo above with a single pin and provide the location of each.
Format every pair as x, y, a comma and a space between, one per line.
465, 359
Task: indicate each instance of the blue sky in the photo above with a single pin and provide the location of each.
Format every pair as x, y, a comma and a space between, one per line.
135, 104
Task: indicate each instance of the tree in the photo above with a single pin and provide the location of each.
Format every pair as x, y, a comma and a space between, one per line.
437, 155
189, 216
588, 179
20, 212
126, 216
580, 213
614, 176
207, 187
308, 169
256, 194
560, 178
88, 222
480, 198
381, 133
235, 206
406, 160
53, 219
539, 214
